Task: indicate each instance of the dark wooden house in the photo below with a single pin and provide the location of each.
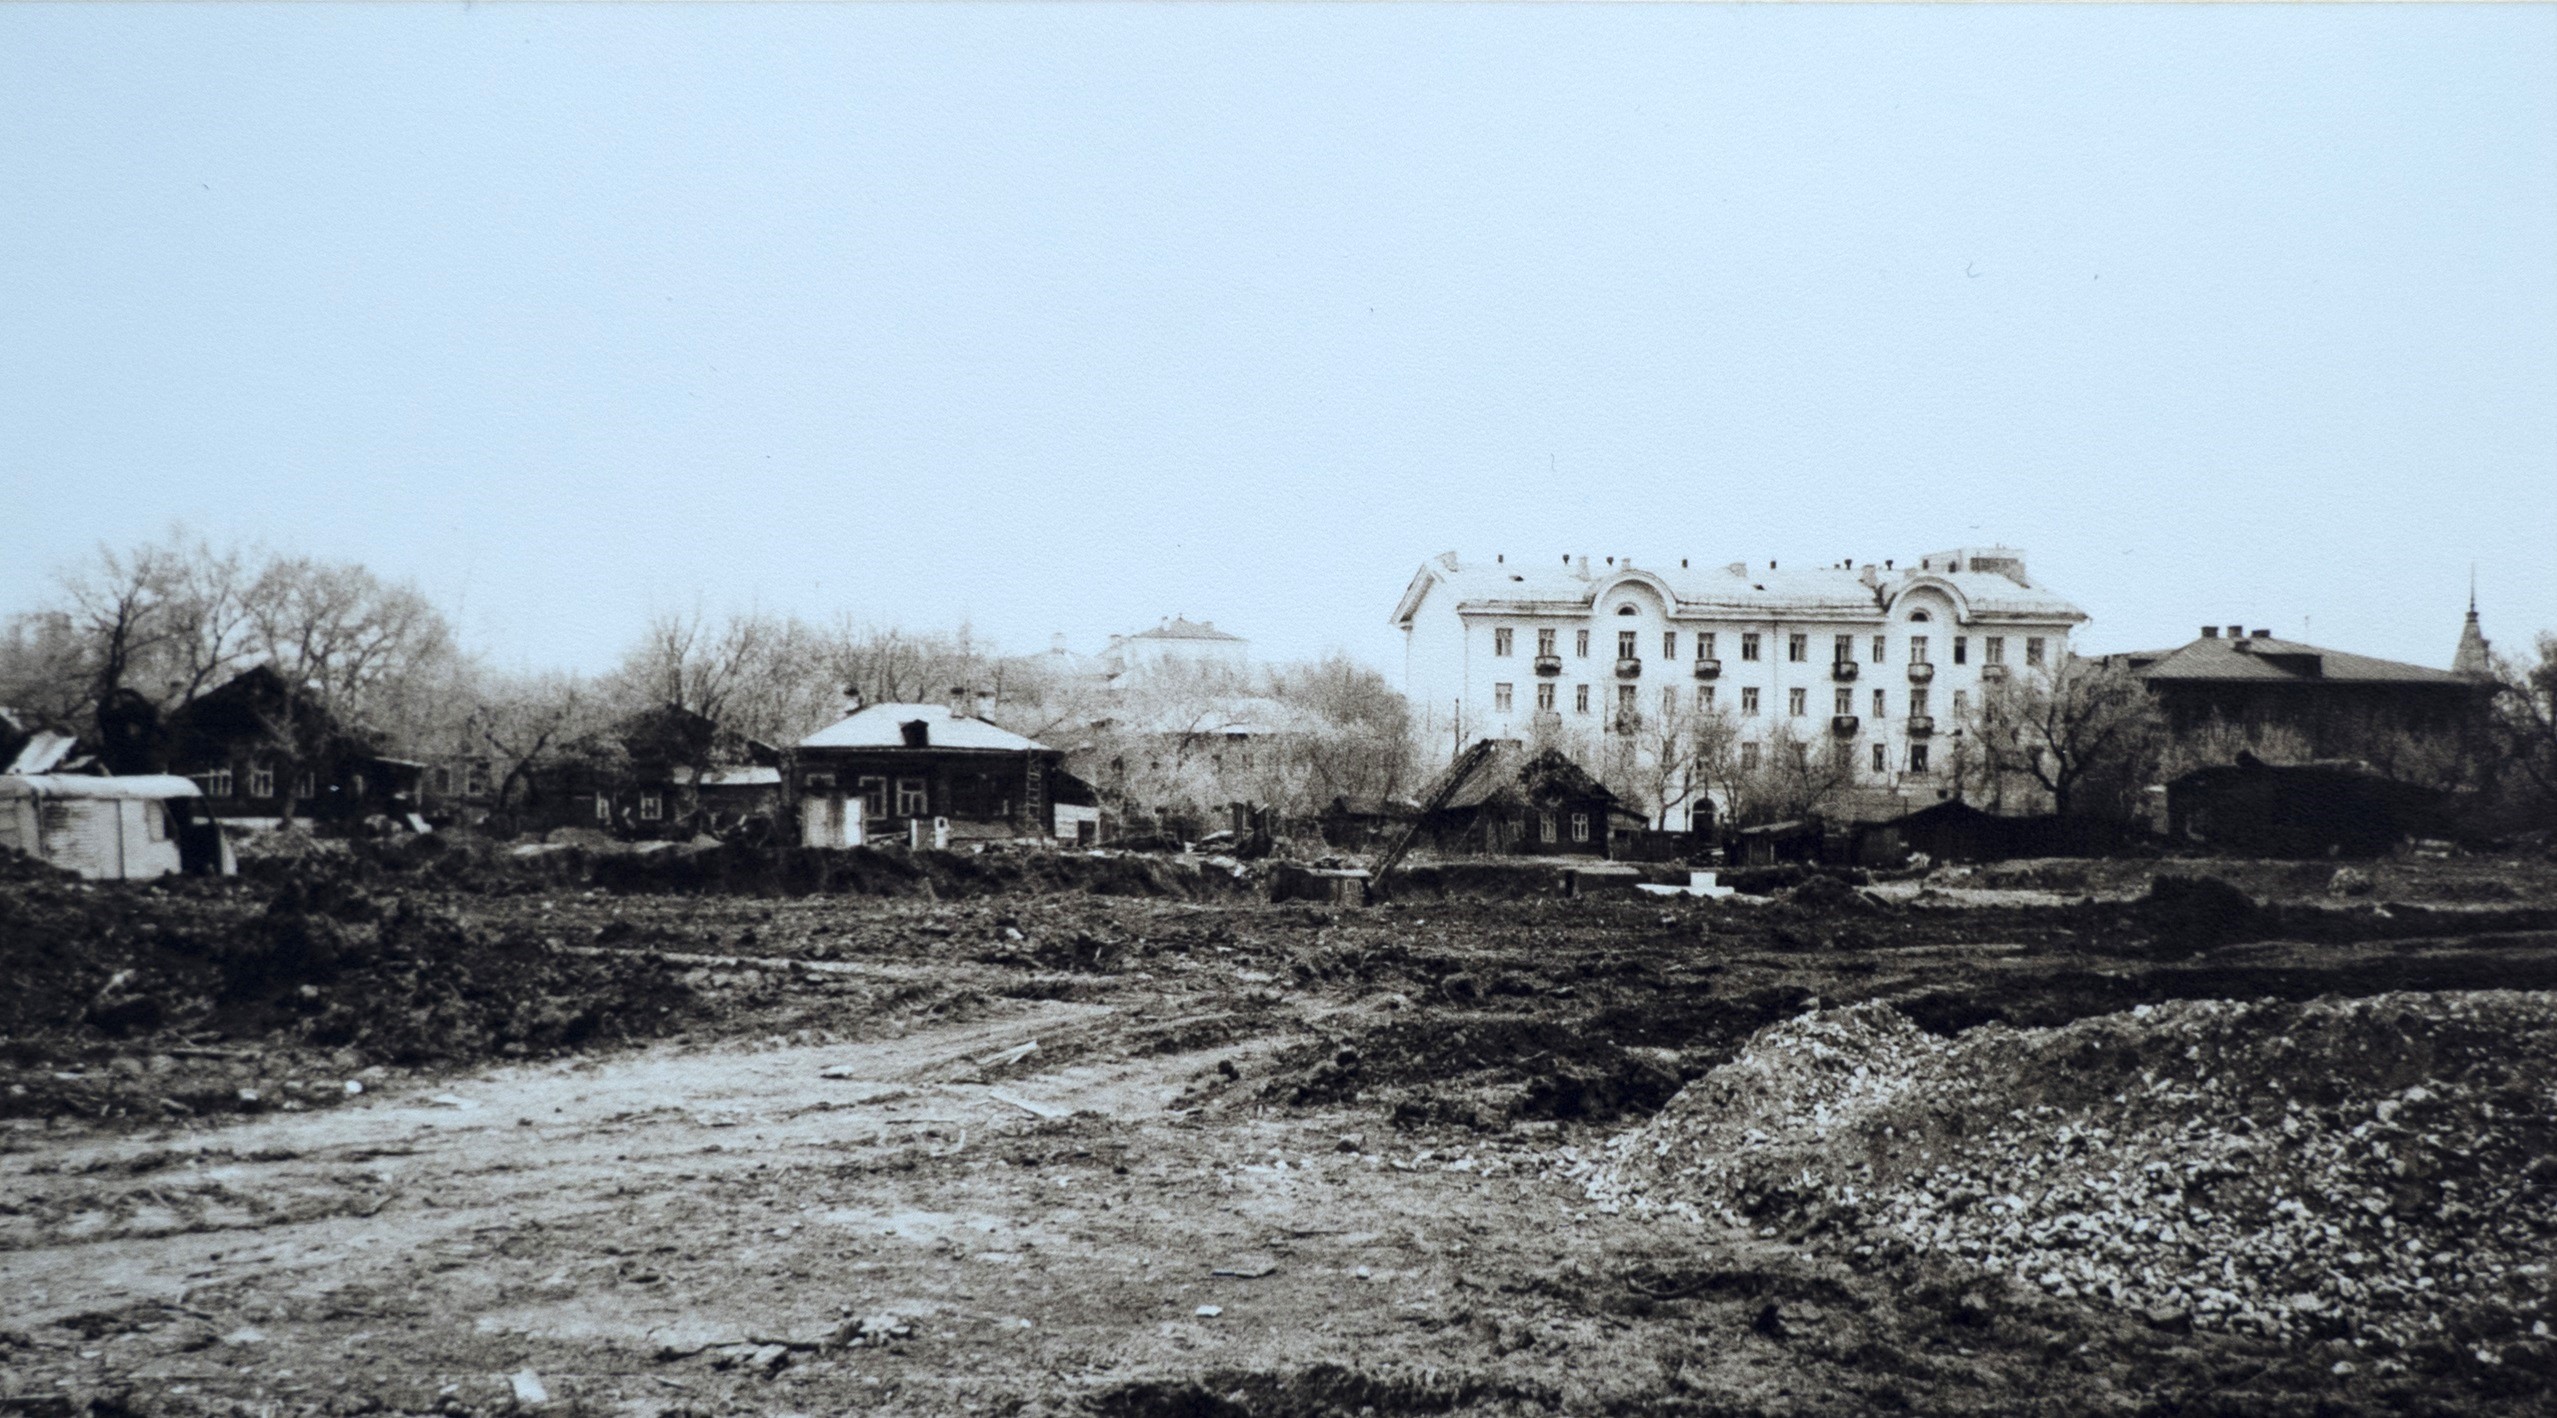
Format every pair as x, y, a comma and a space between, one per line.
2339, 703
2323, 809
666, 773
870, 776
259, 749
1537, 803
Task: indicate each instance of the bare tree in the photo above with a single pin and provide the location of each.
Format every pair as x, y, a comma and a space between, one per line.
2079, 724
527, 724
340, 639
2524, 732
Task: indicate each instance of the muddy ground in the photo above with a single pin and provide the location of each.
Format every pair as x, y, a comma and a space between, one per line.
1042, 1150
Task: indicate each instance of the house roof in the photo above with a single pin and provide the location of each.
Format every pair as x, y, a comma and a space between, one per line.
1740, 589
1180, 628
883, 726
1514, 774
59, 785
2262, 659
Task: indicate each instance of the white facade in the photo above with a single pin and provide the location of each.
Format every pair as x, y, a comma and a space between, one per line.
1882, 658
1177, 641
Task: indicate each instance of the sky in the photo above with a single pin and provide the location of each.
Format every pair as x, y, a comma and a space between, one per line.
1066, 319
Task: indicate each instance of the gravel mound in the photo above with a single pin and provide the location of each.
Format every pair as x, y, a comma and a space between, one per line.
2381, 1171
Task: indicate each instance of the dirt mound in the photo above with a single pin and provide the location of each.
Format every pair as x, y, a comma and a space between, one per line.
2379, 1171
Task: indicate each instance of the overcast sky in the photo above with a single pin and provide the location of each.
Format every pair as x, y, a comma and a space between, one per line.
1066, 319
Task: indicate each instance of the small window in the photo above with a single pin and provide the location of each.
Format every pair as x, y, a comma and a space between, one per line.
1580, 698
1580, 643
1844, 650
1580, 827
1544, 642
1625, 702
261, 782
1500, 699
1669, 645
1880, 763
1918, 617
1917, 649
874, 796
1545, 696
1749, 699
1749, 645
1545, 827
1500, 641
217, 784
603, 808
1878, 645
475, 781
1625, 649
1705, 696
1917, 758
1993, 650
1798, 647
2033, 649
1918, 703
1705, 645
651, 807
1845, 702
304, 786
1797, 702
1962, 649
913, 798
1749, 755
1878, 701
1626, 609
1961, 704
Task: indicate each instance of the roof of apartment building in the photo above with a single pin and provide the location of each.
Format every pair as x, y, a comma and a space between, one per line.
1181, 628
885, 726
1987, 582
2264, 659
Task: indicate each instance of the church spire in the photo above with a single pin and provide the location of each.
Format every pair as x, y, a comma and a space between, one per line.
2473, 658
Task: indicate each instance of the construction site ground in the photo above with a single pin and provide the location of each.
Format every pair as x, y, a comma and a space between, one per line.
1042, 1151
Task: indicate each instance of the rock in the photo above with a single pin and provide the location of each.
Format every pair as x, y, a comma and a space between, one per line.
528, 1388
1208, 1312
2349, 881
1351, 1142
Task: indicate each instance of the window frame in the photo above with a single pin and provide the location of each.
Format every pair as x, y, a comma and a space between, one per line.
2033, 650
916, 794
1798, 647
652, 807
1502, 639
1749, 646
1797, 701
1503, 696
1749, 700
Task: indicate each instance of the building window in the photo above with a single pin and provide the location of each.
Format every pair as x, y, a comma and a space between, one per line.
1917, 758
1797, 702
1919, 617
1918, 703
1961, 704
1878, 643
1669, 645
1993, 650
1962, 649
651, 807
1625, 645
1545, 827
2033, 649
603, 808
1749, 645
1845, 702
1749, 755
1917, 649
304, 787
217, 784
1878, 711
1749, 699
818, 783
1704, 645
475, 779
874, 797
1669, 701
1705, 696
1500, 641
1798, 647
1580, 698
1580, 643
1580, 827
1844, 650
1544, 642
1625, 710
261, 782
1880, 764
1500, 699
1545, 695
913, 798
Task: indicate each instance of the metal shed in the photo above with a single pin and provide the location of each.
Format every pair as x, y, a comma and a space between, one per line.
113, 829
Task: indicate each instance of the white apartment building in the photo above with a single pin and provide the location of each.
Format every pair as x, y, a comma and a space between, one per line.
1882, 659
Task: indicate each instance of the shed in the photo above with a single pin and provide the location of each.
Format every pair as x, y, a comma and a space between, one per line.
115, 829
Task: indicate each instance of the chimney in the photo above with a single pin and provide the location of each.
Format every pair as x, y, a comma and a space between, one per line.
2237, 632
851, 700
1056, 643
2263, 635
958, 701
1870, 576
985, 702
917, 733
2210, 632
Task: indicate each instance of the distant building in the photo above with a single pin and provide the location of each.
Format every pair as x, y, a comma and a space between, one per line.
2338, 703
1880, 662
254, 744
130, 828
1535, 802
1176, 641
871, 775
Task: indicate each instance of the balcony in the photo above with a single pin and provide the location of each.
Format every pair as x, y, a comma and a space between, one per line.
1920, 672
1709, 669
1549, 665
1921, 726
1629, 669
1993, 672
1844, 725
1842, 670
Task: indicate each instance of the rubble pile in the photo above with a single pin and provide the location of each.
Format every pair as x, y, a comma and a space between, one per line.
2378, 1171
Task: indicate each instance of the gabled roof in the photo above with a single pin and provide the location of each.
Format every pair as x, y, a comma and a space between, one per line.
1738, 589
1512, 774
1178, 628
2263, 659
883, 726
